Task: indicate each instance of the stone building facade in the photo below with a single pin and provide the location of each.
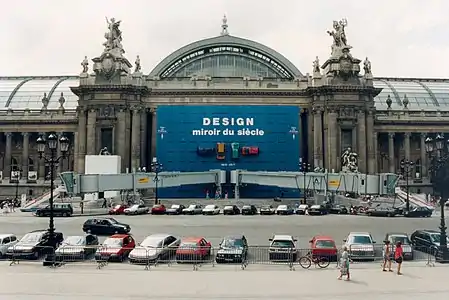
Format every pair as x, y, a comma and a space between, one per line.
114, 105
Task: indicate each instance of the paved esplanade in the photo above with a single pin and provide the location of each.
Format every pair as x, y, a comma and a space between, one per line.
32, 282
258, 229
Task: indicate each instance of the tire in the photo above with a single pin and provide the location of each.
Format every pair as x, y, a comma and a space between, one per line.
389, 215
323, 262
89, 231
64, 214
305, 262
40, 214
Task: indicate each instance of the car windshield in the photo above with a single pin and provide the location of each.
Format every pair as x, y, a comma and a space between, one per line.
228, 207
188, 245
113, 221
113, 242
210, 207
246, 207
361, 239
325, 244
117, 206
232, 243
33, 237
283, 244
175, 206
315, 206
135, 206
436, 238
192, 206
282, 207
400, 238
266, 206
151, 242
74, 240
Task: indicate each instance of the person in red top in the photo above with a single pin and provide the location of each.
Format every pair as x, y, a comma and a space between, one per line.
398, 256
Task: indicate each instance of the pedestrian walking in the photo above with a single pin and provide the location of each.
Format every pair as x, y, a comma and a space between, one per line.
386, 252
344, 264
399, 256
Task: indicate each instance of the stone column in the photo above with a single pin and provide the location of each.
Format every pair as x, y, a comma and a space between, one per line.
128, 150
153, 133
75, 152
25, 154
361, 141
333, 132
120, 136
317, 138
135, 140
407, 145
375, 147
91, 137
81, 140
41, 171
423, 155
58, 153
143, 137
310, 136
8, 152
391, 152
370, 142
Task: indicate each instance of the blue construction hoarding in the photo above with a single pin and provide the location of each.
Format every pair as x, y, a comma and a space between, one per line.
254, 138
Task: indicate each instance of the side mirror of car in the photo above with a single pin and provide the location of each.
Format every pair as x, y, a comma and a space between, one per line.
310, 241
344, 240
270, 240
374, 242
295, 240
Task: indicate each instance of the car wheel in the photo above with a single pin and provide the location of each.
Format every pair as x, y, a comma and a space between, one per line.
64, 214
89, 231
389, 215
40, 214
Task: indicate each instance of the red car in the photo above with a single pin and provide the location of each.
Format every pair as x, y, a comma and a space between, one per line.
193, 249
118, 209
158, 209
323, 246
115, 248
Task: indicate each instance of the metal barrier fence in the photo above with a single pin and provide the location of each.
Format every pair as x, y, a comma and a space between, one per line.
196, 257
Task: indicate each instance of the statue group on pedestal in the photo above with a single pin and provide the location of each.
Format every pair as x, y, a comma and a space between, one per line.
349, 161
339, 34
113, 37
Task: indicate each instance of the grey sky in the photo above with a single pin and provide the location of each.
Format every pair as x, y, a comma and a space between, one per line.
402, 38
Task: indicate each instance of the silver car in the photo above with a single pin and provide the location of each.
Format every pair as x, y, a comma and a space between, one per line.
77, 247
360, 245
154, 248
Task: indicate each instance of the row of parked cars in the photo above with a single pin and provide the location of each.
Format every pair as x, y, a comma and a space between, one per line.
213, 209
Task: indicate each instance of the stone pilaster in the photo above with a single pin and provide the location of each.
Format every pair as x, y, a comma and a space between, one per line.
135, 139
120, 136
128, 149
143, 137
75, 152
361, 141
423, 155
332, 140
8, 152
153, 133
91, 128
58, 153
317, 137
372, 162
391, 152
310, 136
25, 154
82, 130
376, 147
407, 145
41, 171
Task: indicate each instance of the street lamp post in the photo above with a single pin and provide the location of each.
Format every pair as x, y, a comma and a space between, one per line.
52, 160
156, 167
407, 168
438, 151
304, 167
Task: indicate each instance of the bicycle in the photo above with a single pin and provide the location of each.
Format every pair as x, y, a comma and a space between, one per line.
307, 260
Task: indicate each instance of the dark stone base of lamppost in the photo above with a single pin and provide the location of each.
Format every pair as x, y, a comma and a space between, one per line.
442, 256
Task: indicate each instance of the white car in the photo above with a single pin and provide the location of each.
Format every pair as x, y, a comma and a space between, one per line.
211, 209
360, 245
137, 209
284, 210
193, 209
6, 241
154, 247
283, 248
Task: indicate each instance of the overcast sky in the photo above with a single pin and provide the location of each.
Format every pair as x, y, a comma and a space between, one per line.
402, 38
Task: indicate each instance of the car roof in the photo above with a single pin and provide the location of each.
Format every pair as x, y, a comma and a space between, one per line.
192, 239
38, 230
283, 237
427, 231
235, 237
396, 233
159, 235
119, 236
359, 233
5, 235
322, 237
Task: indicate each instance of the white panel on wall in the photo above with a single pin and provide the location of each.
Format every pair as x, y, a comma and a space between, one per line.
102, 164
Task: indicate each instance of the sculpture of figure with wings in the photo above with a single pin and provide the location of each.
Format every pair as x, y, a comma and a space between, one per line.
113, 36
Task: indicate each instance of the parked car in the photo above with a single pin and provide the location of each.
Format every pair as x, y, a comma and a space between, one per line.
153, 248
323, 246
6, 240
338, 209
137, 209
317, 210
175, 209
284, 210
302, 208
193, 209
360, 245
267, 210
231, 210
77, 247
59, 210
407, 247
115, 248
418, 212
105, 226
427, 241
193, 249
283, 248
211, 209
158, 209
232, 249
118, 209
34, 244
249, 210
381, 211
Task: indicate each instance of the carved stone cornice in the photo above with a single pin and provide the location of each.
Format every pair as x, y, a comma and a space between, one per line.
230, 92
111, 88
332, 89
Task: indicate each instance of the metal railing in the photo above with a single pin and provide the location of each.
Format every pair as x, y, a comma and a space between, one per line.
196, 257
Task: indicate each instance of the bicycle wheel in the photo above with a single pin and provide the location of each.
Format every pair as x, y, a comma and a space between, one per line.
323, 262
305, 262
